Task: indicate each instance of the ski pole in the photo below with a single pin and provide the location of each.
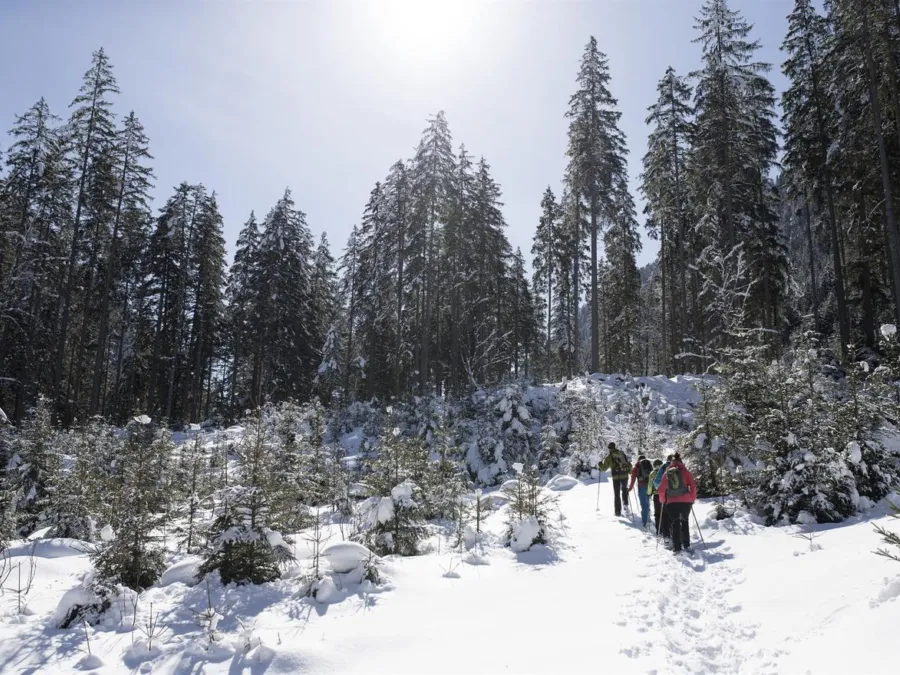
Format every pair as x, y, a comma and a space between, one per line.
598, 488
662, 512
697, 522
631, 508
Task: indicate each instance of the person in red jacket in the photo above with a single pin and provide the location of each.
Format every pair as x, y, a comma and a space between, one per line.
678, 492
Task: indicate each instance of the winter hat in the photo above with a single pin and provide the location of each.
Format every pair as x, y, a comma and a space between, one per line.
611, 446
640, 457
657, 463
670, 458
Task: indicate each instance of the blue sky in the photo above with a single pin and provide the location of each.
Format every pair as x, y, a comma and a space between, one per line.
250, 97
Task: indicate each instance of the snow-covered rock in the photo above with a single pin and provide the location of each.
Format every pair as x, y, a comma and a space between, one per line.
346, 556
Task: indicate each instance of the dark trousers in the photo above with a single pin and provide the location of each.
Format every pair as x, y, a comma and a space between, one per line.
620, 490
657, 507
679, 515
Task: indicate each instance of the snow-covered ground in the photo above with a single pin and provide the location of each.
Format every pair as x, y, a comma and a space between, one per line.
601, 598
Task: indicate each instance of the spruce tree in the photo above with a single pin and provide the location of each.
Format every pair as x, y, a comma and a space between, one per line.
545, 264
664, 185
597, 168
135, 556
91, 133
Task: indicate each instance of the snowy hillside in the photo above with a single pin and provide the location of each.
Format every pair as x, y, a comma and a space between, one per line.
600, 597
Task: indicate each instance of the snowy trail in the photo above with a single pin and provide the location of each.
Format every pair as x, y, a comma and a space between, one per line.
610, 602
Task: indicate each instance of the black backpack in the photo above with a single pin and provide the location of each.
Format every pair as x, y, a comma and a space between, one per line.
676, 486
646, 468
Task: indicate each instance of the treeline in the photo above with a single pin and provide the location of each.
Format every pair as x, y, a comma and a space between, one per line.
813, 249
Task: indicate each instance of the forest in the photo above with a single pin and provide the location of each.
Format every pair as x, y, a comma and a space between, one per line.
779, 260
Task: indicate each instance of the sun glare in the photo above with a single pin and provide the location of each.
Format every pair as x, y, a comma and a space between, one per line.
425, 31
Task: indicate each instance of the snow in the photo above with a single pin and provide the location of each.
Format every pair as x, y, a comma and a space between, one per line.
107, 533
89, 662
855, 453
744, 603
888, 330
402, 494
346, 556
750, 600
560, 483
182, 572
525, 534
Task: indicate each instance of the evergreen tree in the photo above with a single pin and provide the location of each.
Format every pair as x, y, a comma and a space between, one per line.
135, 557
664, 184
597, 168
286, 353
545, 261
241, 545
807, 120
92, 136
243, 317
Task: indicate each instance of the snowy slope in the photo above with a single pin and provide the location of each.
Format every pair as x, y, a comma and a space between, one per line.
602, 598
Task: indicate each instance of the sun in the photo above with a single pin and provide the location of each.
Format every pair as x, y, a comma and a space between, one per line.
425, 31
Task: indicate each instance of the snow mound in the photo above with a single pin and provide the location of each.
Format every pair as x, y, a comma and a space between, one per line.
890, 591
183, 572
90, 662
359, 490
139, 652
560, 483
525, 534
346, 556
324, 591
48, 548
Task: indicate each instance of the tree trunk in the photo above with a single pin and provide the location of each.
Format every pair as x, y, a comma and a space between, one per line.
812, 264
595, 294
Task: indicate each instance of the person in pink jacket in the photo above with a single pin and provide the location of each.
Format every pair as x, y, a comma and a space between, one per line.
678, 492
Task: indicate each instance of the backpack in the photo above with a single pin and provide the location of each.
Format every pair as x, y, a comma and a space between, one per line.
646, 468
676, 486
620, 462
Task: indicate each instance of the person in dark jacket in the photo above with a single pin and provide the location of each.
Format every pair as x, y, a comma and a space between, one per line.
618, 465
678, 492
641, 473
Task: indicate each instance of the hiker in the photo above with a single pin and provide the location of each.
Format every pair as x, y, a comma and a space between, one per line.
653, 492
641, 473
618, 465
664, 528
677, 492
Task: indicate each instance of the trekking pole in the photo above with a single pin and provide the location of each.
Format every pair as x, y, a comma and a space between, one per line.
598, 488
697, 522
631, 508
662, 512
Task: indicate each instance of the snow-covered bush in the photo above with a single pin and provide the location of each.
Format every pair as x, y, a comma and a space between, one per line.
137, 513
497, 432
33, 465
241, 544
529, 509
394, 524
